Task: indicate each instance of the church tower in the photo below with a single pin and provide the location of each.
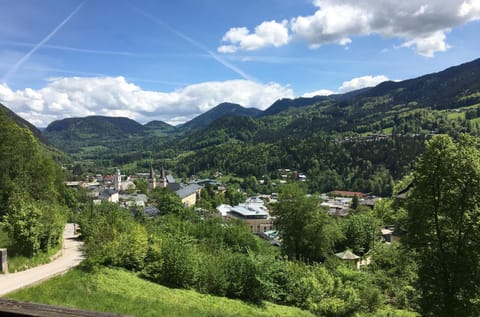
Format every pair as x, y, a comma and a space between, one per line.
151, 180
117, 180
163, 179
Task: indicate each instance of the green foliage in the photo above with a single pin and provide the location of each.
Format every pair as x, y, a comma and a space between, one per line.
394, 270
360, 230
167, 202
32, 227
307, 232
113, 238
443, 226
111, 290
22, 222
179, 263
141, 185
31, 191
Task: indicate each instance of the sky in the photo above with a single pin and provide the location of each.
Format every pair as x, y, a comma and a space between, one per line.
173, 60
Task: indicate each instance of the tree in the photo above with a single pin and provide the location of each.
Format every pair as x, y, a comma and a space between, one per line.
307, 232
141, 185
355, 202
444, 226
167, 202
360, 230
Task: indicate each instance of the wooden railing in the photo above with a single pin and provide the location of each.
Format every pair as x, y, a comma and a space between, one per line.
12, 308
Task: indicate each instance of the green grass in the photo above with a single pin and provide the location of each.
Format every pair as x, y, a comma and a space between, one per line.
476, 120
388, 130
117, 291
18, 263
456, 115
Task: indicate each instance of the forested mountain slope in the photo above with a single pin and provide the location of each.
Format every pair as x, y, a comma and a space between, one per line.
361, 140
23, 123
221, 110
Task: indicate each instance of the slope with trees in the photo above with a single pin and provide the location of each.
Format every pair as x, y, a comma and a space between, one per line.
32, 193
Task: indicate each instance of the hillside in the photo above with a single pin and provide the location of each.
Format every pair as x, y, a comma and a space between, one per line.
361, 140
93, 135
122, 292
286, 103
93, 127
24, 124
221, 110
159, 126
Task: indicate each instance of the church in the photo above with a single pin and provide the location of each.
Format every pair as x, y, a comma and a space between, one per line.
189, 194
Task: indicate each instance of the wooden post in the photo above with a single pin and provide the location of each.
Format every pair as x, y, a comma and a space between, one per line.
3, 261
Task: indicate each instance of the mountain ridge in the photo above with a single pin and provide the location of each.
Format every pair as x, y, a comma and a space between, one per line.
221, 110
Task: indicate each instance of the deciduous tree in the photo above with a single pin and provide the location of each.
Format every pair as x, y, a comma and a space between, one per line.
444, 226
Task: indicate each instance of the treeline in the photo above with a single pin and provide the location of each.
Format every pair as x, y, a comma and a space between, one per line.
32, 193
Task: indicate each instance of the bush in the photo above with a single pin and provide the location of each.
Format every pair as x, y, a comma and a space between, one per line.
113, 238
33, 226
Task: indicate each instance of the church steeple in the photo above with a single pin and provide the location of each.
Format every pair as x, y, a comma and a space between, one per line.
151, 179
117, 180
163, 179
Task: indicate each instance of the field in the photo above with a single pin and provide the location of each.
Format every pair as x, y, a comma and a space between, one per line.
118, 291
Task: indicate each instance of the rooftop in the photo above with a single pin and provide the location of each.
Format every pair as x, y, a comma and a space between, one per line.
347, 255
188, 190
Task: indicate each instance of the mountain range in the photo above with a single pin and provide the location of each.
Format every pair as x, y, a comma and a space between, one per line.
443, 102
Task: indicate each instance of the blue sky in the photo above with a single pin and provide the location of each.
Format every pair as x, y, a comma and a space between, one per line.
172, 60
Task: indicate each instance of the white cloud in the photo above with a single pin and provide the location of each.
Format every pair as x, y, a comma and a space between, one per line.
115, 96
268, 33
421, 24
350, 85
321, 92
429, 45
361, 82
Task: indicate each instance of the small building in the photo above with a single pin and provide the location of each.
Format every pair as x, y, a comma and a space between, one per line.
349, 257
109, 195
152, 211
391, 234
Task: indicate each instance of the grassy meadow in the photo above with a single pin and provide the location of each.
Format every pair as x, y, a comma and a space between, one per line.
117, 291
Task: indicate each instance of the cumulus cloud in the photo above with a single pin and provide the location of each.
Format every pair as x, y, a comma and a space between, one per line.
361, 82
421, 24
268, 33
321, 92
350, 85
115, 96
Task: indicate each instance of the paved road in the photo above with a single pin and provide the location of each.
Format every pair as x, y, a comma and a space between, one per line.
71, 257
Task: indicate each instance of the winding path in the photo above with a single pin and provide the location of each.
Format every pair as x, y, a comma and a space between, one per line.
71, 256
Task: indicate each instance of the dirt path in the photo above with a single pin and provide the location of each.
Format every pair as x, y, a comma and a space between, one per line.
71, 257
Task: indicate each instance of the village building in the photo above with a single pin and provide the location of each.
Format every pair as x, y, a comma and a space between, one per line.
349, 257
189, 194
253, 212
110, 195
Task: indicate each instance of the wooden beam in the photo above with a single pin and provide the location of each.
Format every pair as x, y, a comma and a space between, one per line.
13, 308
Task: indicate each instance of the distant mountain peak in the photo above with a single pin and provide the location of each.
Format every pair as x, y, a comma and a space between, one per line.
221, 110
